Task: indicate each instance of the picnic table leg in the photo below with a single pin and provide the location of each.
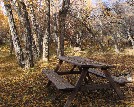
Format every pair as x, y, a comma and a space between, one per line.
78, 84
58, 66
56, 69
113, 84
88, 79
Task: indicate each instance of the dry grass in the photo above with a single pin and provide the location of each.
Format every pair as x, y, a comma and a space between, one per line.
26, 88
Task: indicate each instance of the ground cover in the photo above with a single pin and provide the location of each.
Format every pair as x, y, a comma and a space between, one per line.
26, 88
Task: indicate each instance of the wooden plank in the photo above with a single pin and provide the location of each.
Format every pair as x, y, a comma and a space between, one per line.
68, 72
83, 62
113, 84
69, 60
95, 87
56, 69
96, 72
58, 66
77, 87
89, 61
58, 81
120, 80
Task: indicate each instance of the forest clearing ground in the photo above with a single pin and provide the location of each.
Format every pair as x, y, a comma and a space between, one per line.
20, 87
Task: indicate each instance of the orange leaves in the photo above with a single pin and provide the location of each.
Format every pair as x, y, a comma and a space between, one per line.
3, 20
6, 2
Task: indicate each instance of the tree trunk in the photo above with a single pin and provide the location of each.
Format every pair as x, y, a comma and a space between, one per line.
29, 51
55, 28
11, 45
35, 27
130, 38
47, 34
61, 21
15, 38
61, 35
116, 44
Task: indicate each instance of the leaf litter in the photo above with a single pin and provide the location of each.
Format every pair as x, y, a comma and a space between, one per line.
27, 88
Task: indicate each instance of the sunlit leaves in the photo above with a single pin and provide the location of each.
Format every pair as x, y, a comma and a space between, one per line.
28, 88
6, 2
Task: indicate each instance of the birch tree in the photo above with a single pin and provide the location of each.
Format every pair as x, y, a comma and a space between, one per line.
62, 16
29, 38
15, 38
47, 33
35, 28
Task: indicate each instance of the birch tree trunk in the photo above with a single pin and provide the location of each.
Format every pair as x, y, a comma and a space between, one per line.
117, 50
15, 38
62, 16
55, 28
26, 22
47, 34
11, 45
35, 28
130, 38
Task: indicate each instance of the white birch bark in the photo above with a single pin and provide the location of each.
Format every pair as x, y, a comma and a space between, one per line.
47, 34
15, 38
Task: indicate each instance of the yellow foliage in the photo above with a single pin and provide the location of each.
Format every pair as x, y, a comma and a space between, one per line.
6, 2
88, 4
3, 21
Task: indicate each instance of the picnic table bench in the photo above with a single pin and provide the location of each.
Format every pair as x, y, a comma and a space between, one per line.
85, 67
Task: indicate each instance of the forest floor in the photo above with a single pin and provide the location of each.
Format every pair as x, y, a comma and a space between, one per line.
26, 88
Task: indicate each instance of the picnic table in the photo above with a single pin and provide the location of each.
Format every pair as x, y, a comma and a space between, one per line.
85, 67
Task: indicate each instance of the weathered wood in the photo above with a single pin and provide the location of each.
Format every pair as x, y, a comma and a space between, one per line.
56, 69
58, 81
68, 72
95, 87
113, 84
120, 80
58, 66
88, 60
83, 62
77, 87
83, 66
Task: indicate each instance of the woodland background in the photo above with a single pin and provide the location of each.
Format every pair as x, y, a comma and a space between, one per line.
34, 32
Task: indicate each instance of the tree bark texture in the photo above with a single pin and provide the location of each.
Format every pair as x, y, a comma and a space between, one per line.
29, 38
35, 28
55, 28
117, 50
15, 38
11, 45
130, 38
62, 16
47, 34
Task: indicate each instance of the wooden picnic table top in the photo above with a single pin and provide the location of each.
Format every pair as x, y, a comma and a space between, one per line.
84, 62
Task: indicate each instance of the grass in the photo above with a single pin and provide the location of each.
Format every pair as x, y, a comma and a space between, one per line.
26, 88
